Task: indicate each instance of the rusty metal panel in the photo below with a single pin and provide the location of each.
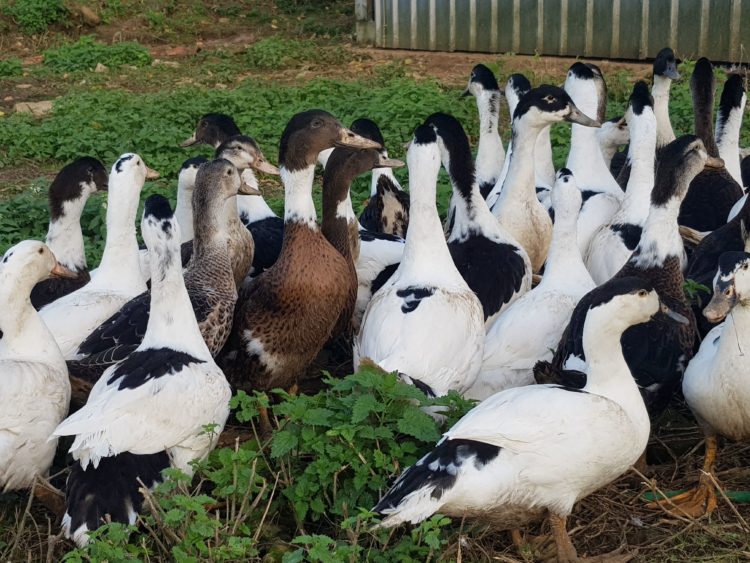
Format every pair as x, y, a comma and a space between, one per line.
627, 29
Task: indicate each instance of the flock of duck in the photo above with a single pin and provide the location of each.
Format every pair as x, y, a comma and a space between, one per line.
555, 299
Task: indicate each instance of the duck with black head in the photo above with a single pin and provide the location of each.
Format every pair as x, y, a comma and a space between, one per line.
68, 194
151, 410
713, 192
212, 129
288, 313
612, 135
664, 72
728, 126
658, 351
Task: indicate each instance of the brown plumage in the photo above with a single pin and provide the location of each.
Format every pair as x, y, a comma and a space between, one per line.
288, 313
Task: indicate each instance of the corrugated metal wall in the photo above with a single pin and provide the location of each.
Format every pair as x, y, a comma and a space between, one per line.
624, 29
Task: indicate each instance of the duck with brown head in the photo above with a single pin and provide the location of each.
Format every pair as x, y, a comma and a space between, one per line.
288, 313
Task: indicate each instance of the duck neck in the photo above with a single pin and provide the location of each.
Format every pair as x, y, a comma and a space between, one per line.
120, 265
544, 167
337, 211
388, 179
660, 238
728, 140
738, 330
586, 161
171, 322
472, 216
64, 236
641, 154
24, 334
564, 263
519, 183
490, 153
298, 202
608, 372
703, 112
184, 212
660, 93
212, 239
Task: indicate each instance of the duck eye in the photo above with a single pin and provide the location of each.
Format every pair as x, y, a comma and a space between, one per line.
550, 98
728, 292
744, 266
642, 293
229, 172
316, 123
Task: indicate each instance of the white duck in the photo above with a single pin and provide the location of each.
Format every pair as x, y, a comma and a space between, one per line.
517, 208
34, 385
601, 192
531, 327
612, 245
539, 448
715, 381
151, 409
118, 278
425, 323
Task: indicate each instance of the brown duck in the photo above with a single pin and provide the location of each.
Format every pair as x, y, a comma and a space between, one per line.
287, 314
343, 166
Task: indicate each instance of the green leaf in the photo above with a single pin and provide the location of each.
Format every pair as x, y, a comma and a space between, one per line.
416, 423
363, 406
283, 442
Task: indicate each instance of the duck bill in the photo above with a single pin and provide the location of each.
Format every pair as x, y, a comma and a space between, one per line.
577, 116
385, 162
247, 189
673, 315
348, 138
60, 271
671, 72
151, 174
262, 165
189, 142
714, 162
719, 306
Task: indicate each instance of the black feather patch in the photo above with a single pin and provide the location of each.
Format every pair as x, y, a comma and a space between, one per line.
494, 271
640, 98
368, 129
111, 489
384, 275
144, 365
369, 236
424, 134
268, 235
629, 234
485, 188
413, 296
438, 469
121, 161
484, 76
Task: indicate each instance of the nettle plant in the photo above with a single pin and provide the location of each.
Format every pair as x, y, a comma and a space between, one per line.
305, 494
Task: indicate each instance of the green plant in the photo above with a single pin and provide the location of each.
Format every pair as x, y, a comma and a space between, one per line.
695, 292
85, 53
276, 52
10, 67
35, 16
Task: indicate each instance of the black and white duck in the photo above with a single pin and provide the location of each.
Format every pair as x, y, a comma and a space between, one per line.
534, 451
209, 280
658, 351
34, 386
387, 209
728, 126
68, 194
150, 410
493, 264
713, 192
425, 322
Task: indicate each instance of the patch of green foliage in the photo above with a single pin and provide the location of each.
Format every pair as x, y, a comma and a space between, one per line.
85, 53
35, 16
303, 497
11, 67
274, 53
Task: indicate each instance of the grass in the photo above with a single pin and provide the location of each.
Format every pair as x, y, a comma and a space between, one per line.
303, 495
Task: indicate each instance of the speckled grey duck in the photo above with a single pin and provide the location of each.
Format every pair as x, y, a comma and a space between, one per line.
68, 194
288, 313
713, 192
387, 210
342, 167
209, 280
657, 351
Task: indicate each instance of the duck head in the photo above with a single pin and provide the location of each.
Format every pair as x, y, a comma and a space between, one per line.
731, 285
310, 132
665, 65
455, 151
546, 105
566, 197
160, 232
131, 168
586, 87
640, 111
345, 164
212, 129
732, 98
481, 80
76, 181
679, 162
188, 170
29, 262
516, 88
244, 152
614, 132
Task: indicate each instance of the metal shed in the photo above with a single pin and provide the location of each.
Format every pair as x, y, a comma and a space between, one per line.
617, 29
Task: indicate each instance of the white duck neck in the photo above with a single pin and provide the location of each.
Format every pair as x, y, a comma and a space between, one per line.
737, 324
660, 237
171, 322
490, 152
298, 202
564, 266
660, 93
728, 140
183, 211
120, 265
586, 161
64, 236
608, 373
25, 336
544, 168
519, 185
641, 154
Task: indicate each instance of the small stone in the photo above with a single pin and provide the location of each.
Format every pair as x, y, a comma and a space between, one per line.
223, 20
8, 98
23, 86
35, 108
101, 68
90, 17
